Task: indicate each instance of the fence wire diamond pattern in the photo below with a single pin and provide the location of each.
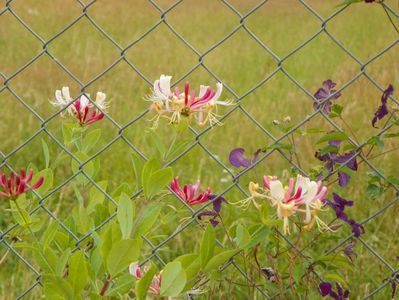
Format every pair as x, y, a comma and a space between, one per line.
279, 68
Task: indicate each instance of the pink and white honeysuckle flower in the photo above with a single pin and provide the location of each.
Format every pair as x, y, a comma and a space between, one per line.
302, 192
136, 271
63, 99
190, 192
174, 105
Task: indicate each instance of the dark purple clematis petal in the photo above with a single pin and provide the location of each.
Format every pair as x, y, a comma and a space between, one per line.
213, 214
382, 110
349, 159
238, 159
325, 288
343, 179
348, 250
341, 202
217, 203
357, 228
335, 143
325, 92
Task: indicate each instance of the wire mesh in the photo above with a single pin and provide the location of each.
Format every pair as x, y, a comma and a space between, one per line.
201, 55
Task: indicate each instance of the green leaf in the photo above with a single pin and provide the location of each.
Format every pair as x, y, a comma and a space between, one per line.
259, 236
90, 140
280, 146
335, 277
219, 259
62, 262
122, 286
46, 153
191, 263
122, 254
374, 191
47, 183
47, 260
376, 141
55, 287
125, 215
336, 111
207, 245
144, 283
96, 196
333, 136
88, 168
49, 234
390, 135
149, 168
158, 181
242, 235
77, 272
146, 220
328, 149
173, 279
138, 164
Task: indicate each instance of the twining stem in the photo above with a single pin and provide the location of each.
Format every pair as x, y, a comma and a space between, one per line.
106, 285
295, 152
26, 222
31, 232
350, 130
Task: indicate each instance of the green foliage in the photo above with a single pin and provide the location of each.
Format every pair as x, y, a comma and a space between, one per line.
173, 279
125, 215
207, 245
121, 255
144, 283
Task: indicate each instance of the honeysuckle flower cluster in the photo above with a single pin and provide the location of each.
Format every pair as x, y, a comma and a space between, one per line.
82, 109
331, 159
326, 92
301, 195
155, 286
382, 110
190, 192
174, 105
18, 184
338, 204
238, 159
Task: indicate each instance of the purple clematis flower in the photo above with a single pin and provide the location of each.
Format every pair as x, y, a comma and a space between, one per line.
331, 159
325, 289
238, 159
382, 110
339, 204
325, 92
214, 213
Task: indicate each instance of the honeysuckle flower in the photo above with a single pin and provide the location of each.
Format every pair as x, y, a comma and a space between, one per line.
190, 192
332, 158
325, 289
63, 99
84, 113
238, 159
174, 105
18, 184
382, 110
214, 213
327, 91
289, 199
155, 286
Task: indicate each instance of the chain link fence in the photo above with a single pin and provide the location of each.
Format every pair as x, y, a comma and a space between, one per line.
278, 69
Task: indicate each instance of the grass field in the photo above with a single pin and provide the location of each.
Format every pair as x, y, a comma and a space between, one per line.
240, 62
